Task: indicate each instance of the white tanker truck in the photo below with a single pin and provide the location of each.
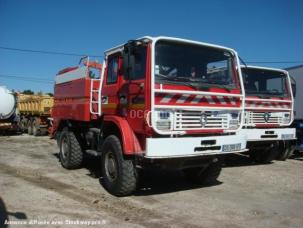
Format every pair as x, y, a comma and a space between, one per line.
8, 104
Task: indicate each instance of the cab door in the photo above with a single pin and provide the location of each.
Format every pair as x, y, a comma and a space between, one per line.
111, 85
134, 89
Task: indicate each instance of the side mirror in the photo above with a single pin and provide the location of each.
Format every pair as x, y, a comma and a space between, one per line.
128, 57
83, 60
125, 64
294, 89
131, 66
293, 86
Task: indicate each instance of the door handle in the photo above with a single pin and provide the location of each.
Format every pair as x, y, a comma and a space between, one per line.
122, 99
104, 99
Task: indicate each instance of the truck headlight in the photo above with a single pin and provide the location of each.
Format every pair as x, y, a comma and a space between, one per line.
286, 118
233, 124
163, 125
234, 115
164, 120
164, 115
233, 120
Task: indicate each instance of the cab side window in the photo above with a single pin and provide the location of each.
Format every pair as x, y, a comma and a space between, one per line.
112, 71
140, 64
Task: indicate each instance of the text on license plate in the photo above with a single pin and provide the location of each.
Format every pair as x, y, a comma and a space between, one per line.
287, 136
231, 147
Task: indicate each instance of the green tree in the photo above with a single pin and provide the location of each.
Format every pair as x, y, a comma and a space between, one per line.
28, 91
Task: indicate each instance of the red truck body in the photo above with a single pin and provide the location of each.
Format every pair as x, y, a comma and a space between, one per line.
153, 115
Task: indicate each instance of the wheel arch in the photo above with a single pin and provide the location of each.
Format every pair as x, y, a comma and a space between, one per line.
58, 126
120, 127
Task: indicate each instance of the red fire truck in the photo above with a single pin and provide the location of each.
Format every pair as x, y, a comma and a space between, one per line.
268, 113
156, 101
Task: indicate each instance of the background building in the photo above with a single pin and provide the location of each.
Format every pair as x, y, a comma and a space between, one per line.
296, 73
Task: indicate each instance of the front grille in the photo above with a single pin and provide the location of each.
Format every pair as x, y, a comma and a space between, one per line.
191, 120
260, 118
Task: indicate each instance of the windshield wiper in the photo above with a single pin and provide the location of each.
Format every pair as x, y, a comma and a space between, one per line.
264, 94
162, 75
187, 79
174, 78
194, 83
171, 80
271, 92
228, 88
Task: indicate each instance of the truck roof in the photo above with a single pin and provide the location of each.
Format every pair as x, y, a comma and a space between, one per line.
294, 67
264, 68
155, 39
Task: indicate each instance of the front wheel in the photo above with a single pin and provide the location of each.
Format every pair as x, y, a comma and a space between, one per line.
286, 150
206, 175
119, 176
266, 154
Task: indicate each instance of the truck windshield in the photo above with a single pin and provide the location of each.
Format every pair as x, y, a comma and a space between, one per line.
197, 66
264, 82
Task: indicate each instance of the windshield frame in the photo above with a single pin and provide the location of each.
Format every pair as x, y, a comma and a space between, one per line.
284, 77
195, 83
239, 93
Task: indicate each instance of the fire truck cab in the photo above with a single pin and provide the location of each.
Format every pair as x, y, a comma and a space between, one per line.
156, 101
268, 113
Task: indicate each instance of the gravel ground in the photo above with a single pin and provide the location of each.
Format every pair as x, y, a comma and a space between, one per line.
35, 189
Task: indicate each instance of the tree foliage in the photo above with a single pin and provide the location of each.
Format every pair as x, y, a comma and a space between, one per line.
28, 91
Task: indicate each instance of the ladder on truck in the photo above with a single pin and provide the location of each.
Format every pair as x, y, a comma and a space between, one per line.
95, 93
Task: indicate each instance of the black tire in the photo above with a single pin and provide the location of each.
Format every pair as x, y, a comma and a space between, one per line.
57, 137
36, 129
24, 121
265, 155
286, 150
119, 176
71, 155
204, 175
30, 127
23, 125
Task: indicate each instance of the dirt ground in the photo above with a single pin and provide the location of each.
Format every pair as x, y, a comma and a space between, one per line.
35, 189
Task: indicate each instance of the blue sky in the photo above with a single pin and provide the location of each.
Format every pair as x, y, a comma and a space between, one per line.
263, 31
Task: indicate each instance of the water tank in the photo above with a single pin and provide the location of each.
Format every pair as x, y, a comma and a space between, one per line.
7, 103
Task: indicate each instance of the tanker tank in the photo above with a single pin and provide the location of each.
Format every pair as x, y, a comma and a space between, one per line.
7, 104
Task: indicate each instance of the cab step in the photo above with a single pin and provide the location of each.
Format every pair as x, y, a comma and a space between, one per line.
93, 153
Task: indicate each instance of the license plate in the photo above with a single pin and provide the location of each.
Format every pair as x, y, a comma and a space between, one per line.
231, 147
287, 136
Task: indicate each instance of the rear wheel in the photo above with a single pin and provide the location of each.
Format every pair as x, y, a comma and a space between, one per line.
119, 174
36, 128
71, 155
23, 124
30, 127
206, 175
266, 154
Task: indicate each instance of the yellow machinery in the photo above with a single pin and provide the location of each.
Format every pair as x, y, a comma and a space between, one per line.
35, 104
34, 111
